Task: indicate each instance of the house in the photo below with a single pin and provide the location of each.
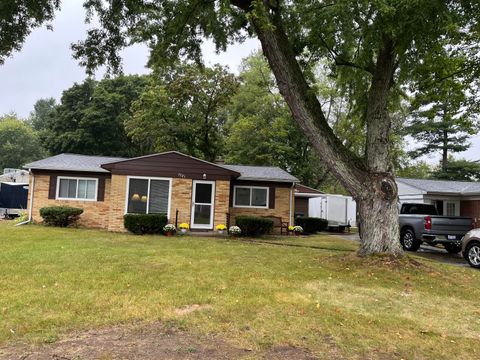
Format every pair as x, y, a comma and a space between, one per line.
185, 188
303, 194
452, 198
14, 175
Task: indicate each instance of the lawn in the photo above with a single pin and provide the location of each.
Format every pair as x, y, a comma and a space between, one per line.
317, 296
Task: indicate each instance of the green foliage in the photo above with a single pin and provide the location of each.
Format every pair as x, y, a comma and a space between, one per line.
311, 225
254, 226
461, 170
19, 144
261, 128
18, 18
90, 118
43, 111
183, 109
145, 223
416, 170
61, 216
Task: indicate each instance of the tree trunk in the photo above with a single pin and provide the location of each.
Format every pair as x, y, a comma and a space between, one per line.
370, 182
445, 151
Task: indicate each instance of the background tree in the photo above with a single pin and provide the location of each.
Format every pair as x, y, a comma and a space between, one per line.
444, 114
43, 111
184, 109
458, 169
19, 144
376, 46
90, 118
18, 18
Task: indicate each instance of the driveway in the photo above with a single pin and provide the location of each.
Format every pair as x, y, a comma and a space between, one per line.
426, 251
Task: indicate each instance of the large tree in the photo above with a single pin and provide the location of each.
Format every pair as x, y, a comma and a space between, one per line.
18, 18
90, 118
19, 144
184, 109
375, 45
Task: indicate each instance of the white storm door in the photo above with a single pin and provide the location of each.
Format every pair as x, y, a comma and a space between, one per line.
203, 204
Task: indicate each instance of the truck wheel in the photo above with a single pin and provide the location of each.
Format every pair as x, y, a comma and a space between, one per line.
408, 240
472, 254
453, 248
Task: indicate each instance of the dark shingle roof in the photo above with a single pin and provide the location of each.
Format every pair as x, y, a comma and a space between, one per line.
73, 162
262, 173
443, 186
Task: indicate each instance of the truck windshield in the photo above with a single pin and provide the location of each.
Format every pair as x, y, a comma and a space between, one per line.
419, 209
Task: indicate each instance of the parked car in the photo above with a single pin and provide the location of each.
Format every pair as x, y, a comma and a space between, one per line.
421, 223
471, 248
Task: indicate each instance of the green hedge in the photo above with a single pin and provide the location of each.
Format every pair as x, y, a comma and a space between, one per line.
253, 225
311, 225
145, 223
61, 216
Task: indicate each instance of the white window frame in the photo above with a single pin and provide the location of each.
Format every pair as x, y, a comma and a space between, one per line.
57, 195
149, 178
251, 194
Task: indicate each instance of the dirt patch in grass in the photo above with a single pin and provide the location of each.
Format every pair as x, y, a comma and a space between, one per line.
152, 341
187, 309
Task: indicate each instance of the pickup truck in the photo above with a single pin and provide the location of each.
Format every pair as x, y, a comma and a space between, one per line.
421, 223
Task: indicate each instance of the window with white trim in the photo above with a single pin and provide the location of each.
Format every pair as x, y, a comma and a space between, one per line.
69, 188
251, 196
148, 196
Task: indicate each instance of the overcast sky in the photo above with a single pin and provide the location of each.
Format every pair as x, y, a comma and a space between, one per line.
45, 67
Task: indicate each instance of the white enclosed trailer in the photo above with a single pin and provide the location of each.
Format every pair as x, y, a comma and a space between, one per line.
339, 210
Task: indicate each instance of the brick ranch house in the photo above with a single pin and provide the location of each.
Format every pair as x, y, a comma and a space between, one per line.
451, 198
204, 194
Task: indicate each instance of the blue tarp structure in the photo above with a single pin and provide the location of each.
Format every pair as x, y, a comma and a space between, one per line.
13, 195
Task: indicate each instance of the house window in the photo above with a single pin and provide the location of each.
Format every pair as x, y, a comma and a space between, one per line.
148, 196
251, 196
450, 209
77, 188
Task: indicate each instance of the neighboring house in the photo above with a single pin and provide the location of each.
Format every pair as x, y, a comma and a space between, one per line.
204, 194
302, 196
455, 198
14, 175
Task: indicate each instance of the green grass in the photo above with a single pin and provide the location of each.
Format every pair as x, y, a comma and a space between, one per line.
318, 296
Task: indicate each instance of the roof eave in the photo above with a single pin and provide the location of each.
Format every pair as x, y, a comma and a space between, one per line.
242, 178
98, 170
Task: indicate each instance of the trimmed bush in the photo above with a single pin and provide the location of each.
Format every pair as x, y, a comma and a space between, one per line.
253, 225
311, 225
145, 223
61, 216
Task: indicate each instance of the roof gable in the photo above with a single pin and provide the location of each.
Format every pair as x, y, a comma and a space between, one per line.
170, 164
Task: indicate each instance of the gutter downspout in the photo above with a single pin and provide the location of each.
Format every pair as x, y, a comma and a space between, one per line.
31, 191
290, 220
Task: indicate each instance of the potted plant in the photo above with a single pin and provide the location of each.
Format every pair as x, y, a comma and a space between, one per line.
290, 228
297, 230
183, 227
169, 229
221, 229
234, 231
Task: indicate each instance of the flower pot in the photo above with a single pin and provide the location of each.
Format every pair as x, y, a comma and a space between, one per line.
168, 233
183, 231
221, 232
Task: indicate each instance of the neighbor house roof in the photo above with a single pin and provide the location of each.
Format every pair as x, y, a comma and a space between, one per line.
306, 191
443, 186
261, 173
73, 162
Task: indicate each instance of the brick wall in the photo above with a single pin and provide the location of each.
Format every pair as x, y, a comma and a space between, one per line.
222, 200
471, 208
116, 200
181, 200
95, 213
282, 207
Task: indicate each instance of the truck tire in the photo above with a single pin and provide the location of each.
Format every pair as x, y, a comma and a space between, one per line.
472, 254
408, 240
453, 248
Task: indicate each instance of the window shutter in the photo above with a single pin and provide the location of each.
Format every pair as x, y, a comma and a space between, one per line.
52, 188
101, 189
271, 197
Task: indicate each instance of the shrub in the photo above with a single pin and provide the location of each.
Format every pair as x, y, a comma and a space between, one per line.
60, 215
311, 225
145, 223
253, 225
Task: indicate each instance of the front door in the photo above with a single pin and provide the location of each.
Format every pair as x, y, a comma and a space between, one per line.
203, 204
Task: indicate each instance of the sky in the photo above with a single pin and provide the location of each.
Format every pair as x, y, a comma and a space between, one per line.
45, 67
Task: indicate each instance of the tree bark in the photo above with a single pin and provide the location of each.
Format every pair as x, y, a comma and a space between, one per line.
370, 182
